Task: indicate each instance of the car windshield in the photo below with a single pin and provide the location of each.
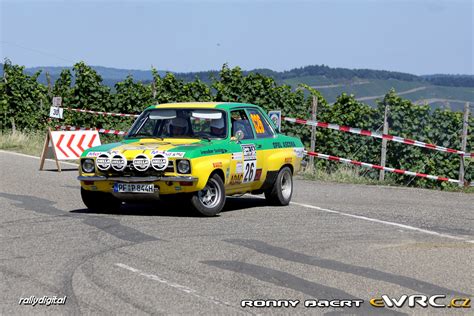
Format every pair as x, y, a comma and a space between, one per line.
180, 123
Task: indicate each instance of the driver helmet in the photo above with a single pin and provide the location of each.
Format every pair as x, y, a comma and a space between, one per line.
178, 126
217, 126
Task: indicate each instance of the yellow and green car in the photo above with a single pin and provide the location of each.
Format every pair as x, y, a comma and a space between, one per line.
200, 151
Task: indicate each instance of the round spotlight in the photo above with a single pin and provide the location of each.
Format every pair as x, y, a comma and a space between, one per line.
141, 162
118, 162
103, 162
159, 162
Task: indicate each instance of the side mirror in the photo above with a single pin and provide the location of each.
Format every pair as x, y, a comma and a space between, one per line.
239, 135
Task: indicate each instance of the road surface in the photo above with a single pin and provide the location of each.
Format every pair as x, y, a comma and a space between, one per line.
335, 241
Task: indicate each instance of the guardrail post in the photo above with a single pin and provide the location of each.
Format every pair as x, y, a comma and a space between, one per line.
314, 110
465, 123
383, 156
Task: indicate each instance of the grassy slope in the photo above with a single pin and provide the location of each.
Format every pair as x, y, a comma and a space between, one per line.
380, 87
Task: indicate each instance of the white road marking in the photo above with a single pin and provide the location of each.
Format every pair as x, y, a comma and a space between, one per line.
35, 157
177, 286
365, 218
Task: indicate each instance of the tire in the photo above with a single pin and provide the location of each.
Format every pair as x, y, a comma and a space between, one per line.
100, 201
280, 194
210, 200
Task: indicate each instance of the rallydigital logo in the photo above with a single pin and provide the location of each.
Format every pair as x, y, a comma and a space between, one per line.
45, 300
420, 300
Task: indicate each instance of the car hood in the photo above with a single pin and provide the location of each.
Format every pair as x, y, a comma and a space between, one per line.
172, 148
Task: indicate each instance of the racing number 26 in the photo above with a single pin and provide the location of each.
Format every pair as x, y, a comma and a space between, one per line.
249, 171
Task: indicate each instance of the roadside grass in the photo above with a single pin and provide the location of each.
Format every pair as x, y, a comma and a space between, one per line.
353, 175
343, 174
30, 143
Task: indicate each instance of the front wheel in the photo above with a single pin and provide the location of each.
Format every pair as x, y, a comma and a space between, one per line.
282, 190
210, 200
100, 201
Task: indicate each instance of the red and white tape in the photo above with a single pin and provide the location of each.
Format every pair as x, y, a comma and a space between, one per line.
373, 166
100, 130
359, 131
102, 113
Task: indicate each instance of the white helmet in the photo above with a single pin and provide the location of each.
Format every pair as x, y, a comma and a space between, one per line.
218, 123
179, 122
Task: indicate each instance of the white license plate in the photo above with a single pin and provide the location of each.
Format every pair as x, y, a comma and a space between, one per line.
134, 188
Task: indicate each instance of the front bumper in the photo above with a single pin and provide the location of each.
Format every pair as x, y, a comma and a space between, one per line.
139, 179
163, 184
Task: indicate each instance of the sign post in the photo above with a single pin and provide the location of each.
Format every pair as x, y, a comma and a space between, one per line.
56, 111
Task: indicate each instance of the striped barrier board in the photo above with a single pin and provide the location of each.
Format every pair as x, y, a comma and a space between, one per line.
67, 145
359, 131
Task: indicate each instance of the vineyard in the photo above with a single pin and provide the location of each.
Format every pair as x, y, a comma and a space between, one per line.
25, 103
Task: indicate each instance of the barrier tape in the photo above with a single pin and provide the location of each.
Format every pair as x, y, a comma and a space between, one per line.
359, 131
373, 166
102, 113
101, 130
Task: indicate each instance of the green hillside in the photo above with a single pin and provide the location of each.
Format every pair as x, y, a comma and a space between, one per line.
369, 90
447, 91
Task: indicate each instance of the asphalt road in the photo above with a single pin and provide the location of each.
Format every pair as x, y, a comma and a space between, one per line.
335, 241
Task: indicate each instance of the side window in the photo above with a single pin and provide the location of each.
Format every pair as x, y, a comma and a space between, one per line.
262, 128
241, 122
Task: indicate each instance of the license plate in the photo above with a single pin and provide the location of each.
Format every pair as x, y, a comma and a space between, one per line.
134, 188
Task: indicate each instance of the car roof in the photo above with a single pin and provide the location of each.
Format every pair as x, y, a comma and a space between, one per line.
202, 105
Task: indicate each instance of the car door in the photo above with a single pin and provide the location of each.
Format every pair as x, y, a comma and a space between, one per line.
264, 136
244, 158
250, 170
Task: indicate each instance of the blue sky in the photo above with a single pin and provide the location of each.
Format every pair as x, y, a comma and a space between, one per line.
416, 36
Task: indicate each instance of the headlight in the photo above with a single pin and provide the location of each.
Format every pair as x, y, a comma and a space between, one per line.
183, 166
88, 165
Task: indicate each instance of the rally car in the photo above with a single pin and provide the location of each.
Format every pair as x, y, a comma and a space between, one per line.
198, 151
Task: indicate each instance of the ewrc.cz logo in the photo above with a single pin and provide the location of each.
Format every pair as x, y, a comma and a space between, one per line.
420, 300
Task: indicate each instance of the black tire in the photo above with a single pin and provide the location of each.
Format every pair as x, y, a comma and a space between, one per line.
210, 203
282, 191
100, 201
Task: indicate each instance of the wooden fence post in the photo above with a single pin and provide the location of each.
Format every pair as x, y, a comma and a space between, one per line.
465, 123
383, 155
314, 110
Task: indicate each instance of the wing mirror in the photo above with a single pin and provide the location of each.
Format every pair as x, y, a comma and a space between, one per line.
239, 135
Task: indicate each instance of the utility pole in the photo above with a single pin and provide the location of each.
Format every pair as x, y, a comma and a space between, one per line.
50, 88
465, 123
314, 110
383, 156
153, 89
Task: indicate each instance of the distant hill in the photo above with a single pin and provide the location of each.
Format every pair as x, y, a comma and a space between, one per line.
438, 90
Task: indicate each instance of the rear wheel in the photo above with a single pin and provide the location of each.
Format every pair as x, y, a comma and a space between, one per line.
210, 200
282, 189
100, 201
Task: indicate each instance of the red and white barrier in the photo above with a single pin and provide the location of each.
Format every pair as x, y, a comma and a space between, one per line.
359, 131
102, 113
100, 130
373, 166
